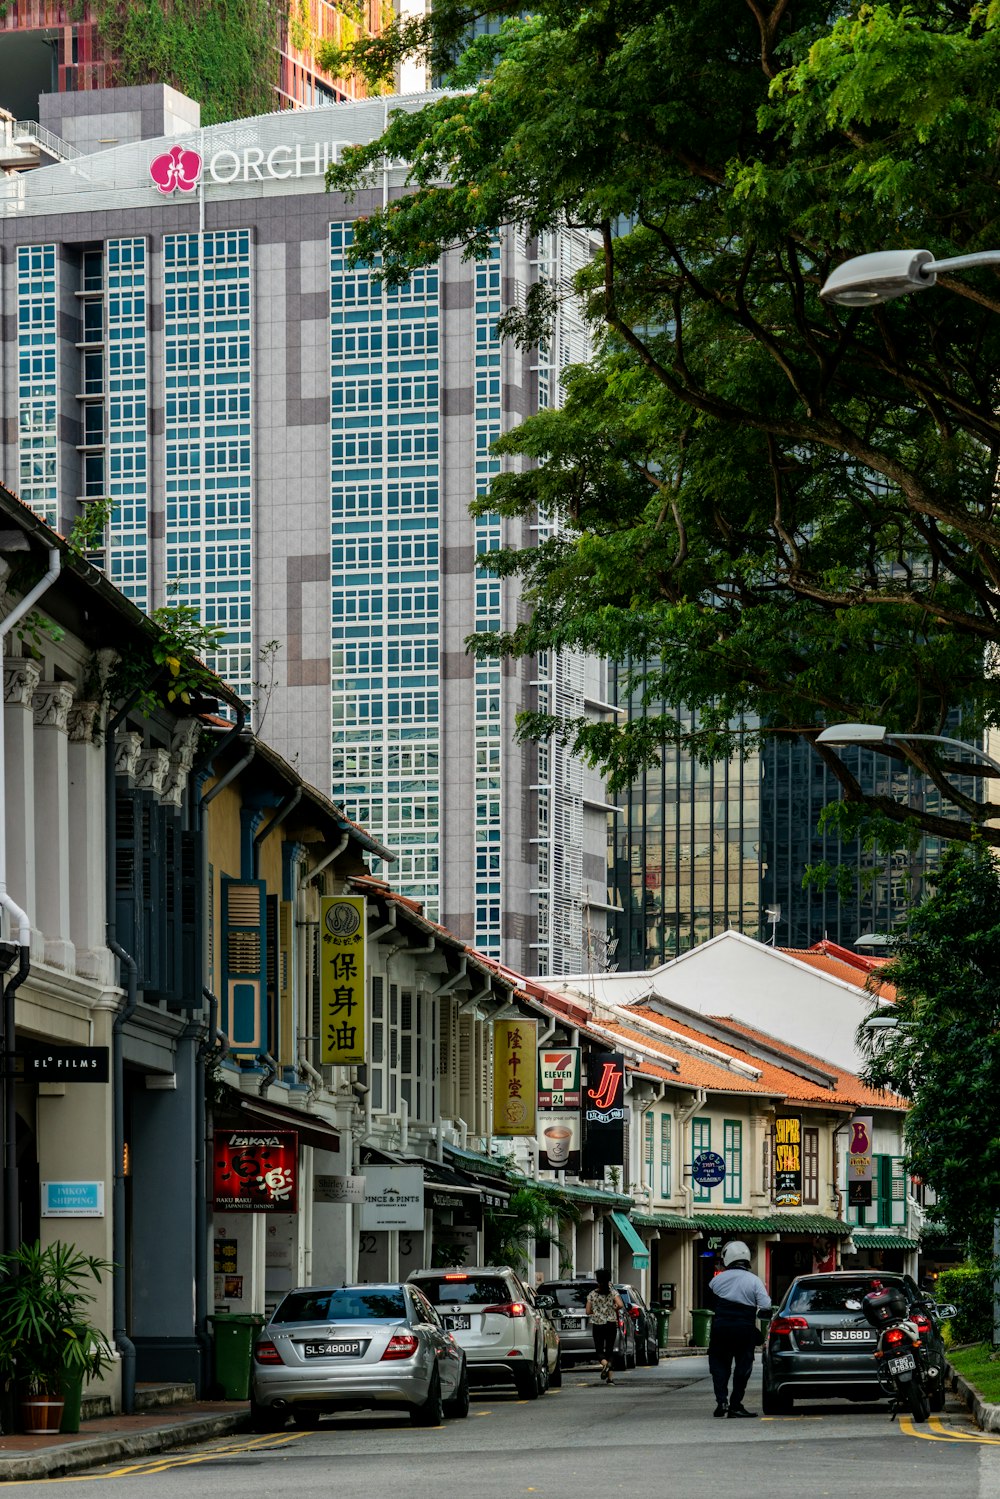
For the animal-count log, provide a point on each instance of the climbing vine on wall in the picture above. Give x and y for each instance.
(221, 52)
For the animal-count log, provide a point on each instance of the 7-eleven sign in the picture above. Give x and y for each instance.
(559, 1078)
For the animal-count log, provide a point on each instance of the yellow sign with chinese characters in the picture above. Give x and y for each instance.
(343, 1008)
(515, 1073)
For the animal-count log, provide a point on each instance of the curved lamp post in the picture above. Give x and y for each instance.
(871, 735)
(887, 274)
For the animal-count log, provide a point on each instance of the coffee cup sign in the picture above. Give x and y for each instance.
(559, 1141)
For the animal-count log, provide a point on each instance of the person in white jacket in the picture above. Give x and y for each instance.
(736, 1295)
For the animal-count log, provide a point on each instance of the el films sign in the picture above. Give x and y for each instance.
(559, 1078)
(788, 1160)
(860, 1162)
(604, 1113)
(515, 1064)
(394, 1198)
(343, 1011)
(255, 1171)
(559, 1138)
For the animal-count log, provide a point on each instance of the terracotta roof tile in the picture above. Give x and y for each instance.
(692, 1072)
(848, 973)
(849, 1086)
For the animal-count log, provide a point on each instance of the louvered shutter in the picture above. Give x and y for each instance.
(128, 861)
(153, 895)
(286, 999)
(243, 964)
(166, 912)
(190, 980)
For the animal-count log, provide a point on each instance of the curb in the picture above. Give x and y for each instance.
(987, 1416)
(93, 1451)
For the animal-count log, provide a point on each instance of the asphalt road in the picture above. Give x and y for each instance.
(651, 1434)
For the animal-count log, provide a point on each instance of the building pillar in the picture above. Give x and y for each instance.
(20, 678)
(87, 839)
(53, 850)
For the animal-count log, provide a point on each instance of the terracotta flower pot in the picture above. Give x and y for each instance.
(42, 1414)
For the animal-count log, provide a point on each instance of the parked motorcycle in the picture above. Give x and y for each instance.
(909, 1365)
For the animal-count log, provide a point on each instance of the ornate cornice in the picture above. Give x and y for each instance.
(20, 678)
(84, 720)
(51, 702)
(127, 746)
(151, 770)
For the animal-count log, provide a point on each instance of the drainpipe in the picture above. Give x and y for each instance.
(327, 859)
(388, 926)
(682, 1118)
(306, 1069)
(474, 999)
(456, 978)
(287, 806)
(270, 1071)
(19, 919)
(404, 1126)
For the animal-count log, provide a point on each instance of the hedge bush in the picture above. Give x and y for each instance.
(970, 1287)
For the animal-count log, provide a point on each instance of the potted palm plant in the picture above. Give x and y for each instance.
(48, 1347)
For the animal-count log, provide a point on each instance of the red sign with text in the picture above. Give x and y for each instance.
(256, 1171)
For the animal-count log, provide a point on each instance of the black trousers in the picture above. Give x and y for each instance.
(604, 1338)
(730, 1350)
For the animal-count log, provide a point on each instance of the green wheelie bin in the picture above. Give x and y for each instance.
(234, 1339)
(701, 1326)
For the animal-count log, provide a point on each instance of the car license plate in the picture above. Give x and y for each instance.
(460, 1323)
(334, 1350)
(900, 1365)
(573, 1322)
(849, 1335)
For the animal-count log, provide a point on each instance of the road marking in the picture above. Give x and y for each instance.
(956, 1438)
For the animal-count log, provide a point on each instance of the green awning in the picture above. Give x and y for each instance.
(475, 1158)
(575, 1191)
(640, 1252)
(742, 1223)
(884, 1241)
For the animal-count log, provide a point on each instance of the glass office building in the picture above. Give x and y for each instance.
(292, 448)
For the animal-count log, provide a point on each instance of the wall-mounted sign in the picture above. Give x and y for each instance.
(256, 1171)
(338, 1189)
(225, 1256)
(559, 1137)
(72, 1199)
(559, 1078)
(604, 1113)
(515, 1052)
(181, 168)
(708, 1169)
(788, 1161)
(394, 1198)
(860, 1162)
(343, 1012)
(37, 1063)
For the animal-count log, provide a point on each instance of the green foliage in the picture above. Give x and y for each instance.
(778, 512)
(981, 1367)
(177, 647)
(45, 1337)
(221, 52)
(970, 1289)
(944, 1052)
(533, 1213)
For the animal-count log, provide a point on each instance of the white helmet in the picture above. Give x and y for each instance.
(734, 1252)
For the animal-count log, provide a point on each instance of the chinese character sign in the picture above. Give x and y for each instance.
(860, 1161)
(515, 1064)
(788, 1160)
(343, 1012)
(255, 1171)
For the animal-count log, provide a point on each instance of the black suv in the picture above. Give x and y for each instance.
(820, 1344)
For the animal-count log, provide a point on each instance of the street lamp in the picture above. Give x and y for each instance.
(887, 274)
(842, 734)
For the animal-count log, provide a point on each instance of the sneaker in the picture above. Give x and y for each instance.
(736, 1412)
(720, 1409)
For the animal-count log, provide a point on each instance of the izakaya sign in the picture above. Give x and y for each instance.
(255, 1171)
(182, 167)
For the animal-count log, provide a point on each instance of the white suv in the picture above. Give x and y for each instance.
(493, 1317)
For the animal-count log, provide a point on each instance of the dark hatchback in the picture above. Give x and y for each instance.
(819, 1345)
(647, 1343)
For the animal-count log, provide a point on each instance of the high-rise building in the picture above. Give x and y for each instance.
(292, 448)
(69, 46)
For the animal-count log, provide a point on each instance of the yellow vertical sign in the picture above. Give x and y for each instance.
(343, 1011)
(515, 1073)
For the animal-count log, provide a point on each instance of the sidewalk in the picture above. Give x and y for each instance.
(110, 1438)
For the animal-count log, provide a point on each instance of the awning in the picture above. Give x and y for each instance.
(312, 1130)
(884, 1241)
(640, 1252)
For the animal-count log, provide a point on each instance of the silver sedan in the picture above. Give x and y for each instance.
(342, 1348)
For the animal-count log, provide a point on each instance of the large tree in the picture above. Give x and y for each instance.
(944, 1049)
(774, 509)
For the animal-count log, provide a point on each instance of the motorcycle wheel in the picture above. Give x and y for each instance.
(917, 1398)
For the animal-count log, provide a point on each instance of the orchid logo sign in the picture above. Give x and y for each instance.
(178, 168)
